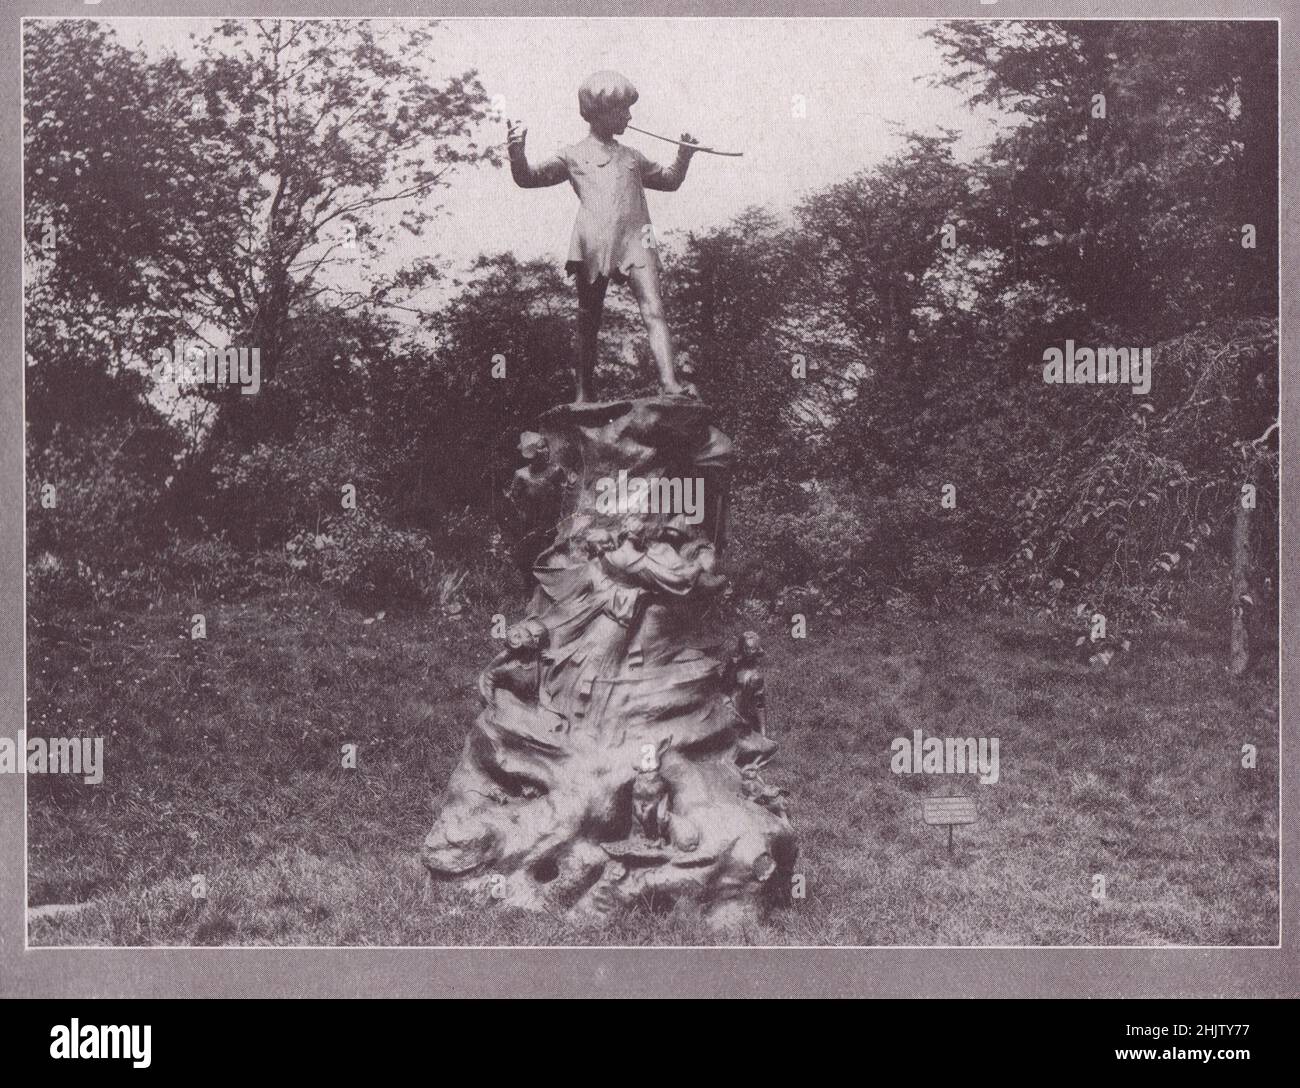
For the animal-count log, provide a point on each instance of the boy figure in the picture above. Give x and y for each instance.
(749, 698)
(536, 492)
(612, 238)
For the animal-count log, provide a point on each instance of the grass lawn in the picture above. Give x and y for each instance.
(222, 759)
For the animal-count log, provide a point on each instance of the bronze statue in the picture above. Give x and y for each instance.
(612, 238)
(749, 697)
(650, 796)
(753, 788)
(535, 494)
(615, 759)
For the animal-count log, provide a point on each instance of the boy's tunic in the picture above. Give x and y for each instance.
(611, 234)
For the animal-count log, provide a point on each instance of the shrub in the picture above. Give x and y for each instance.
(54, 583)
(210, 568)
(278, 488)
(107, 513)
(370, 561)
(817, 538)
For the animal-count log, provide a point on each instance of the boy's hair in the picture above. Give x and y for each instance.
(531, 444)
(603, 91)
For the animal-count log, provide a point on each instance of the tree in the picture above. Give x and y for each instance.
(1124, 225)
(872, 253)
(1131, 205)
(503, 357)
(219, 195)
(734, 304)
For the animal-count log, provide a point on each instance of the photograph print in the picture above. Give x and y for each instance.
(650, 482)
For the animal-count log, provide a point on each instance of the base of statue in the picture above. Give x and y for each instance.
(615, 761)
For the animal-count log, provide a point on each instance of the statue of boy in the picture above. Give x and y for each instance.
(612, 238)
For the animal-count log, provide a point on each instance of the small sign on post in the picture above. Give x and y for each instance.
(948, 811)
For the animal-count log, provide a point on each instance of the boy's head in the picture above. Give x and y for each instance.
(533, 446)
(605, 97)
(749, 647)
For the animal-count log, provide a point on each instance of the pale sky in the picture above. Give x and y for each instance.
(730, 82)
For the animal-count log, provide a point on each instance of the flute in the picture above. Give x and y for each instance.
(683, 143)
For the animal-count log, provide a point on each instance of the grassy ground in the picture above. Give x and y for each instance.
(223, 759)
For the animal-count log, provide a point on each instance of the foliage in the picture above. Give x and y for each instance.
(368, 560)
(280, 487)
(106, 493)
(219, 196)
(870, 350)
(1123, 511)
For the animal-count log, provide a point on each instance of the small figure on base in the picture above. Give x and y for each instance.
(535, 494)
(749, 697)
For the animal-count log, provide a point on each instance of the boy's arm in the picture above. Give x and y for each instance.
(552, 171)
(668, 178)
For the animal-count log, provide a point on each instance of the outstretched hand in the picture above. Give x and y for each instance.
(687, 140)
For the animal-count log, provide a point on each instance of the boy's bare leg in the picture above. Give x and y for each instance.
(591, 305)
(645, 286)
